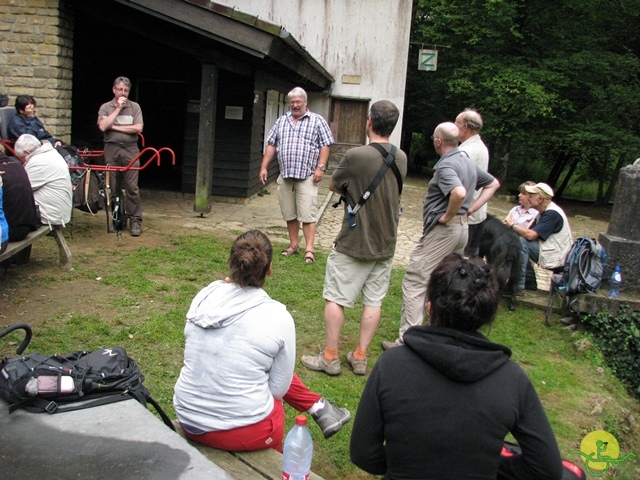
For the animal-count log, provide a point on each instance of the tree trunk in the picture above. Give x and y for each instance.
(600, 190)
(614, 179)
(503, 161)
(556, 171)
(565, 182)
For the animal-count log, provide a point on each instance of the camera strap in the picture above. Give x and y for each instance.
(389, 162)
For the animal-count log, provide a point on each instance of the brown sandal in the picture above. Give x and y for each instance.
(309, 257)
(289, 251)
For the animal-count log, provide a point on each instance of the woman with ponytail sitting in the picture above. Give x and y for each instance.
(238, 362)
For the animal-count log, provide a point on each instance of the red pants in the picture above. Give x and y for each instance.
(267, 433)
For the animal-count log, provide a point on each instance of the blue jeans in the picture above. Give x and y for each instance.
(530, 250)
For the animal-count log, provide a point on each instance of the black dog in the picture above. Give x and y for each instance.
(500, 246)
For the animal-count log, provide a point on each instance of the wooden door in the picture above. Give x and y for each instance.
(348, 120)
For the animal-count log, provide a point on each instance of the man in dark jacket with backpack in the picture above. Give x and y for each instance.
(363, 250)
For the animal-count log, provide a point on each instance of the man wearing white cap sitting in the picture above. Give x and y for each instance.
(548, 241)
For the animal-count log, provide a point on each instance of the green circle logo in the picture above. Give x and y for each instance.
(600, 450)
(600, 445)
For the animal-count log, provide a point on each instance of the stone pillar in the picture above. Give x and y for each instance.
(622, 240)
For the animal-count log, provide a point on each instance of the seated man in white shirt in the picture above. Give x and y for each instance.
(49, 177)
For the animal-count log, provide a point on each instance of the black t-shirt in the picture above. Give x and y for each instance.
(547, 223)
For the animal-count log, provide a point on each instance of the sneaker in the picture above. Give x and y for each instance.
(135, 230)
(359, 366)
(386, 344)
(319, 364)
(330, 418)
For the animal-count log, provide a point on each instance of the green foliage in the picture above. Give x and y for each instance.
(618, 337)
(555, 80)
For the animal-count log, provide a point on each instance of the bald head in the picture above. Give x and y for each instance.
(445, 137)
(448, 133)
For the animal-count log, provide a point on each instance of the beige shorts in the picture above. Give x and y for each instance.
(346, 277)
(298, 199)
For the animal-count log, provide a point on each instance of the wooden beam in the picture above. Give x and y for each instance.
(206, 136)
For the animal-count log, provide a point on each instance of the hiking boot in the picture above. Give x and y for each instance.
(135, 230)
(386, 344)
(330, 418)
(319, 364)
(359, 366)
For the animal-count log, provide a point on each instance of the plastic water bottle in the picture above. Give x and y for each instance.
(297, 452)
(614, 283)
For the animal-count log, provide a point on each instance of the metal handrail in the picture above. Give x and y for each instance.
(155, 155)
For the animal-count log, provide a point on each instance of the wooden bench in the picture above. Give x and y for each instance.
(56, 232)
(256, 465)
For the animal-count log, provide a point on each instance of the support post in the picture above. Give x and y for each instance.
(206, 136)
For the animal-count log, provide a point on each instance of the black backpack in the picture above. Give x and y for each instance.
(88, 185)
(89, 191)
(62, 383)
(583, 267)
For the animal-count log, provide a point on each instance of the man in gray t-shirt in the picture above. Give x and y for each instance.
(448, 202)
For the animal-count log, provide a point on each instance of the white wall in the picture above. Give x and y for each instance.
(366, 38)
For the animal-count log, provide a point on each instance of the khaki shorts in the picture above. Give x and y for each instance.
(346, 277)
(298, 199)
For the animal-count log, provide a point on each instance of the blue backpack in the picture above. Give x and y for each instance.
(584, 267)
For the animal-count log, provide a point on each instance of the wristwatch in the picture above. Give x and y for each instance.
(322, 167)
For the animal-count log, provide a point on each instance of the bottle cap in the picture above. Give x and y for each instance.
(301, 420)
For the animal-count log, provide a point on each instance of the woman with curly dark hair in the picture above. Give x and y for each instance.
(441, 405)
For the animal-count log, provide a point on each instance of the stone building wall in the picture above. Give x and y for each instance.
(36, 58)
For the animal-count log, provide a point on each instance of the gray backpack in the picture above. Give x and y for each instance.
(583, 267)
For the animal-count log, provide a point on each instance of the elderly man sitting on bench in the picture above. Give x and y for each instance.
(49, 177)
(548, 241)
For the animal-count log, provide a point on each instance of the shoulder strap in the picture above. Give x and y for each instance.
(51, 406)
(389, 162)
(38, 405)
(392, 163)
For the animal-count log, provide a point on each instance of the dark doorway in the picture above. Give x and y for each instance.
(163, 79)
(164, 111)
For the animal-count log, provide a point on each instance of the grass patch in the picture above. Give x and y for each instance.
(143, 295)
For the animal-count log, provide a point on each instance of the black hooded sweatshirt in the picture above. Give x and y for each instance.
(440, 406)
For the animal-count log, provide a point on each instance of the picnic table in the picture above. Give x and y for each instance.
(121, 440)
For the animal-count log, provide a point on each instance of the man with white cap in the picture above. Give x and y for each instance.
(548, 241)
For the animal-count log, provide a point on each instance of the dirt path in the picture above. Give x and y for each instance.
(41, 290)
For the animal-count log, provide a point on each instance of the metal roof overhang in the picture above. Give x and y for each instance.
(270, 45)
